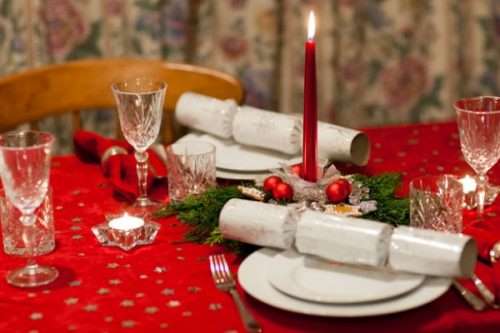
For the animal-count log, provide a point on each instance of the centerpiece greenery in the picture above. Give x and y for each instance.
(201, 212)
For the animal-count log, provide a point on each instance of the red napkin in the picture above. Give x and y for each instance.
(120, 167)
(486, 236)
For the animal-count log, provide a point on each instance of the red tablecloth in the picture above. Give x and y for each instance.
(168, 287)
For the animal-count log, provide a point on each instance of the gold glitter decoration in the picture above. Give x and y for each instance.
(77, 236)
(180, 258)
(139, 295)
(159, 281)
(112, 265)
(143, 276)
(252, 193)
(59, 207)
(187, 314)
(108, 319)
(36, 316)
(75, 228)
(76, 219)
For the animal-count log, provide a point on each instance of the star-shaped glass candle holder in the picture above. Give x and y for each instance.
(126, 232)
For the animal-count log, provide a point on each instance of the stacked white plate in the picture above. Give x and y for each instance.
(235, 161)
(303, 284)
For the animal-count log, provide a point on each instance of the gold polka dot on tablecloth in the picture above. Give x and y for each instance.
(151, 310)
(173, 303)
(36, 316)
(127, 303)
(167, 292)
(90, 308)
(71, 300)
(128, 324)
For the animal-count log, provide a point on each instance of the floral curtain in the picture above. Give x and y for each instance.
(379, 61)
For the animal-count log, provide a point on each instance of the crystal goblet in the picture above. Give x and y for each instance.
(24, 170)
(478, 121)
(140, 107)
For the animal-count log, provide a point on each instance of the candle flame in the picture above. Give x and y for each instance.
(469, 184)
(311, 25)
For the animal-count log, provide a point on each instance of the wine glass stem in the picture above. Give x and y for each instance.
(481, 193)
(142, 174)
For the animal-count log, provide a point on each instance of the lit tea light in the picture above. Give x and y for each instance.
(126, 223)
(468, 183)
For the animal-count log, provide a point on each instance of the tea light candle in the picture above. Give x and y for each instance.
(469, 184)
(126, 223)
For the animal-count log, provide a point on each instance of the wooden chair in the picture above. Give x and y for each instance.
(70, 87)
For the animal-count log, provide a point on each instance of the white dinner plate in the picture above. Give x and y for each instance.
(317, 280)
(232, 156)
(252, 276)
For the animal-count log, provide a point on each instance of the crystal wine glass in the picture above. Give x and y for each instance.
(140, 108)
(478, 121)
(24, 170)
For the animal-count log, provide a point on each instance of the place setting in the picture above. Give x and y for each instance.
(305, 216)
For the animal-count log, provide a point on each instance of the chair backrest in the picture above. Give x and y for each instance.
(79, 85)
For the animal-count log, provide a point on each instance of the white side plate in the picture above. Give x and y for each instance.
(317, 280)
(252, 276)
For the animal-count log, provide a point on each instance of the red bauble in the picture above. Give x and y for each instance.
(297, 169)
(283, 191)
(338, 191)
(271, 182)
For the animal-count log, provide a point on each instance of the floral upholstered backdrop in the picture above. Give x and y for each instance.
(379, 61)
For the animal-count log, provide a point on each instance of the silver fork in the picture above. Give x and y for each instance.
(486, 293)
(224, 281)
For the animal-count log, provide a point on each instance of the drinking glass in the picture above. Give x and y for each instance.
(436, 203)
(140, 108)
(24, 170)
(478, 121)
(191, 168)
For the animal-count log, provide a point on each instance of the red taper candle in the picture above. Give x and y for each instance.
(310, 124)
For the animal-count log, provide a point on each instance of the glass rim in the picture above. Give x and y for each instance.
(413, 182)
(461, 109)
(50, 138)
(211, 147)
(116, 89)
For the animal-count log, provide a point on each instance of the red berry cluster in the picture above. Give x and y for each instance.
(279, 189)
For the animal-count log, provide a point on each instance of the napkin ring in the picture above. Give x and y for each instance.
(112, 151)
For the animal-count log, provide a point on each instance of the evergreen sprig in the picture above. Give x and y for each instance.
(390, 209)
